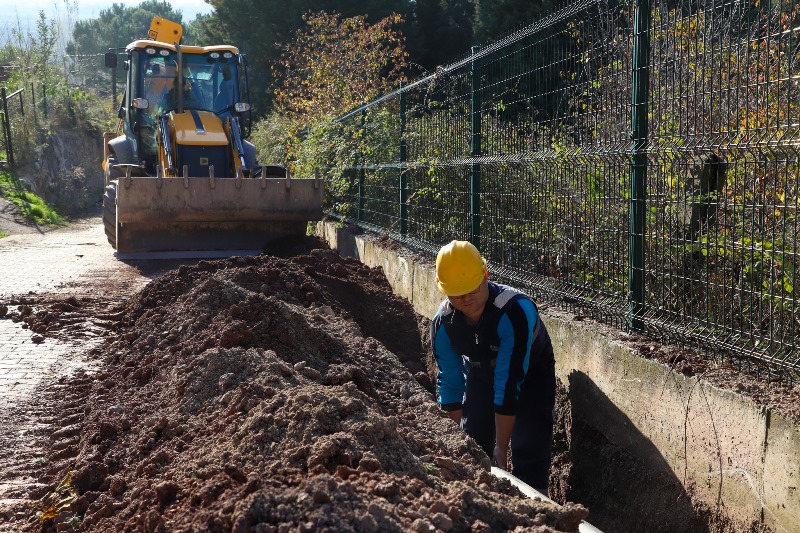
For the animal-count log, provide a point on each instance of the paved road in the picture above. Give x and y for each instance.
(76, 261)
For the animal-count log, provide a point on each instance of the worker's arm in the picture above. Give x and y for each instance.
(516, 331)
(504, 425)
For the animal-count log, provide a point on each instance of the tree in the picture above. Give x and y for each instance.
(495, 19)
(260, 29)
(439, 31)
(37, 67)
(331, 66)
(116, 27)
(337, 64)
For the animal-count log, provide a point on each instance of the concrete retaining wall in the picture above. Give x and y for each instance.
(724, 449)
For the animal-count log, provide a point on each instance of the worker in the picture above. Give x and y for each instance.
(225, 99)
(495, 361)
(160, 84)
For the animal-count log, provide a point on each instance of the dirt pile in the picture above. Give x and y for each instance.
(268, 394)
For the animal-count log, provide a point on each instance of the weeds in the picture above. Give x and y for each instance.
(32, 207)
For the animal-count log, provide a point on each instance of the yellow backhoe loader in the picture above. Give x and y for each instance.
(180, 175)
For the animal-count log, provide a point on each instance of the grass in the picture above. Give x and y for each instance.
(32, 207)
(3, 234)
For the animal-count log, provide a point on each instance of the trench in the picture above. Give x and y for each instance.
(591, 470)
(637, 444)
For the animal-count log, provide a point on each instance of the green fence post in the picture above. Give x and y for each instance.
(403, 156)
(360, 167)
(475, 151)
(7, 128)
(33, 104)
(640, 81)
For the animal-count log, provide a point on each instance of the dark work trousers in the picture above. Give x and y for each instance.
(533, 430)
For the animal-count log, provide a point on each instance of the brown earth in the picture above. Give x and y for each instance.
(270, 393)
(295, 370)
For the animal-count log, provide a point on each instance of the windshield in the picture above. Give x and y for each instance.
(210, 81)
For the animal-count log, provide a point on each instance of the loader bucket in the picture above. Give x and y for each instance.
(183, 214)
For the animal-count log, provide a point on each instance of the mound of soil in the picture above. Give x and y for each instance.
(271, 394)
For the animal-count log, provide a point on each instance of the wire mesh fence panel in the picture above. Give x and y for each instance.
(554, 126)
(438, 141)
(380, 199)
(534, 148)
(379, 167)
(723, 176)
(336, 163)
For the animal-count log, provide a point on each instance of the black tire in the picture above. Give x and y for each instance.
(110, 213)
(111, 174)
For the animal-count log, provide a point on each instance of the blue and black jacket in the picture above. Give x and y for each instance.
(509, 347)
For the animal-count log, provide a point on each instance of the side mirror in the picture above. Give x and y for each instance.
(111, 59)
(140, 103)
(241, 107)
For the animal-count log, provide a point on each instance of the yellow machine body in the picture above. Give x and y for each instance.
(181, 178)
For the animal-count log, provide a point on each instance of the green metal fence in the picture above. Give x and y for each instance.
(637, 161)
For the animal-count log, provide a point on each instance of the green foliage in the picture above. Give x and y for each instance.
(42, 73)
(495, 19)
(274, 138)
(335, 64)
(329, 68)
(48, 109)
(32, 207)
(262, 28)
(34, 60)
(118, 25)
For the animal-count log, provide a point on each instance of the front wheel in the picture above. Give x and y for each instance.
(111, 174)
(110, 213)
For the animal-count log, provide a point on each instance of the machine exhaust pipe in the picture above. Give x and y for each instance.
(179, 81)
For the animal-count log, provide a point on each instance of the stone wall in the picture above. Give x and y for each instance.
(66, 172)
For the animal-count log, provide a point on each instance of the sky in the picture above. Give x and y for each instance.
(27, 11)
(23, 14)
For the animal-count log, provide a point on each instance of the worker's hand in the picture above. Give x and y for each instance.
(455, 416)
(504, 426)
(500, 457)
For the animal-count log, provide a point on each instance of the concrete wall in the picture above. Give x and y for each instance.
(723, 448)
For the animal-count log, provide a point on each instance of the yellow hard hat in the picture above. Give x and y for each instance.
(459, 268)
